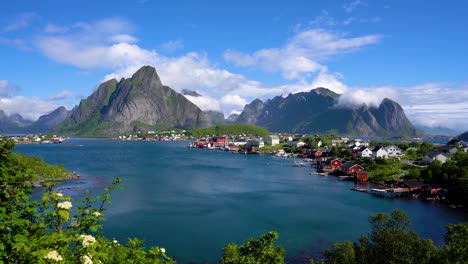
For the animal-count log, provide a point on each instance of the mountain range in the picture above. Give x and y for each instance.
(142, 102)
(319, 111)
(15, 123)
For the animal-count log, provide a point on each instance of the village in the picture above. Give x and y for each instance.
(327, 160)
(35, 139)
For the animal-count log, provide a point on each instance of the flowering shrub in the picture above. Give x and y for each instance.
(46, 231)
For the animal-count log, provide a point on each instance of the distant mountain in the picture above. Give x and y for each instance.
(214, 118)
(14, 123)
(232, 118)
(437, 131)
(49, 121)
(140, 102)
(190, 92)
(17, 124)
(318, 111)
(463, 136)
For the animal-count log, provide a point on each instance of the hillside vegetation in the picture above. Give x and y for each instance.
(231, 129)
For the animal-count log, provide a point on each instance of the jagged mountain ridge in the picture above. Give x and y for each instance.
(133, 104)
(318, 111)
(47, 122)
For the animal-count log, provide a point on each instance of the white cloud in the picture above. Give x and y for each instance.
(52, 28)
(21, 21)
(18, 43)
(205, 103)
(323, 20)
(60, 96)
(431, 104)
(349, 7)
(367, 96)
(6, 89)
(173, 45)
(302, 54)
(119, 38)
(103, 44)
(29, 107)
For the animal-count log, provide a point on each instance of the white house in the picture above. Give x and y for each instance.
(272, 140)
(261, 143)
(365, 152)
(297, 144)
(379, 152)
(435, 155)
(393, 151)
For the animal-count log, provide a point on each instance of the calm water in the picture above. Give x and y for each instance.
(193, 201)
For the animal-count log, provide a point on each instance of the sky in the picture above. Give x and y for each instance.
(56, 53)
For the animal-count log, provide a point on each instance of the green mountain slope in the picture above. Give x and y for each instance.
(137, 102)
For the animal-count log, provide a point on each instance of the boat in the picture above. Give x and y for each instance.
(298, 164)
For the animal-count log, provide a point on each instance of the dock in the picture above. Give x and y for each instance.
(390, 192)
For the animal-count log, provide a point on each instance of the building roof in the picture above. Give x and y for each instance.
(377, 148)
(434, 153)
(347, 165)
(413, 183)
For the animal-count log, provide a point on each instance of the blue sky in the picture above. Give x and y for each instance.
(57, 52)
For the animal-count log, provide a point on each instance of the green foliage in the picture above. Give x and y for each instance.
(390, 242)
(46, 231)
(231, 129)
(453, 175)
(260, 251)
(385, 169)
(456, 249)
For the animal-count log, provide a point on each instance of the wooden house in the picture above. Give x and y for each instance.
(350, 168)
(412, 185)
(361, 175)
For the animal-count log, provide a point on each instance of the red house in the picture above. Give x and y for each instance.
(351, 168)
(361, 175)
(330, 165)
(315, 153)
(219, 141)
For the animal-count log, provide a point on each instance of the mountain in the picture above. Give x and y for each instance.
(14, 123)
(214, 118)
(232, 118)
(318, 111)
(137, 103)
(463, 136)
(190, 92)
(47, 122)
(438, 131)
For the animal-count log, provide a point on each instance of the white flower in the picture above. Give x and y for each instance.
(163, 250)
(59, 194)
(86, 259)
(64, 205)
(53, 255)
(115, 241)
(88, 240)
(97, 213)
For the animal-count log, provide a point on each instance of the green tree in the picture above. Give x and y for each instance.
(259, 251)
(456, 249)
(390, 242)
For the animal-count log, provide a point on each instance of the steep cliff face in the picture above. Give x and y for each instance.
(140, 101)
(251, 112)
(317, 111)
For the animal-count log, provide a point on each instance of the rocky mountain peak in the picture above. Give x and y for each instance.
(148, 76)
